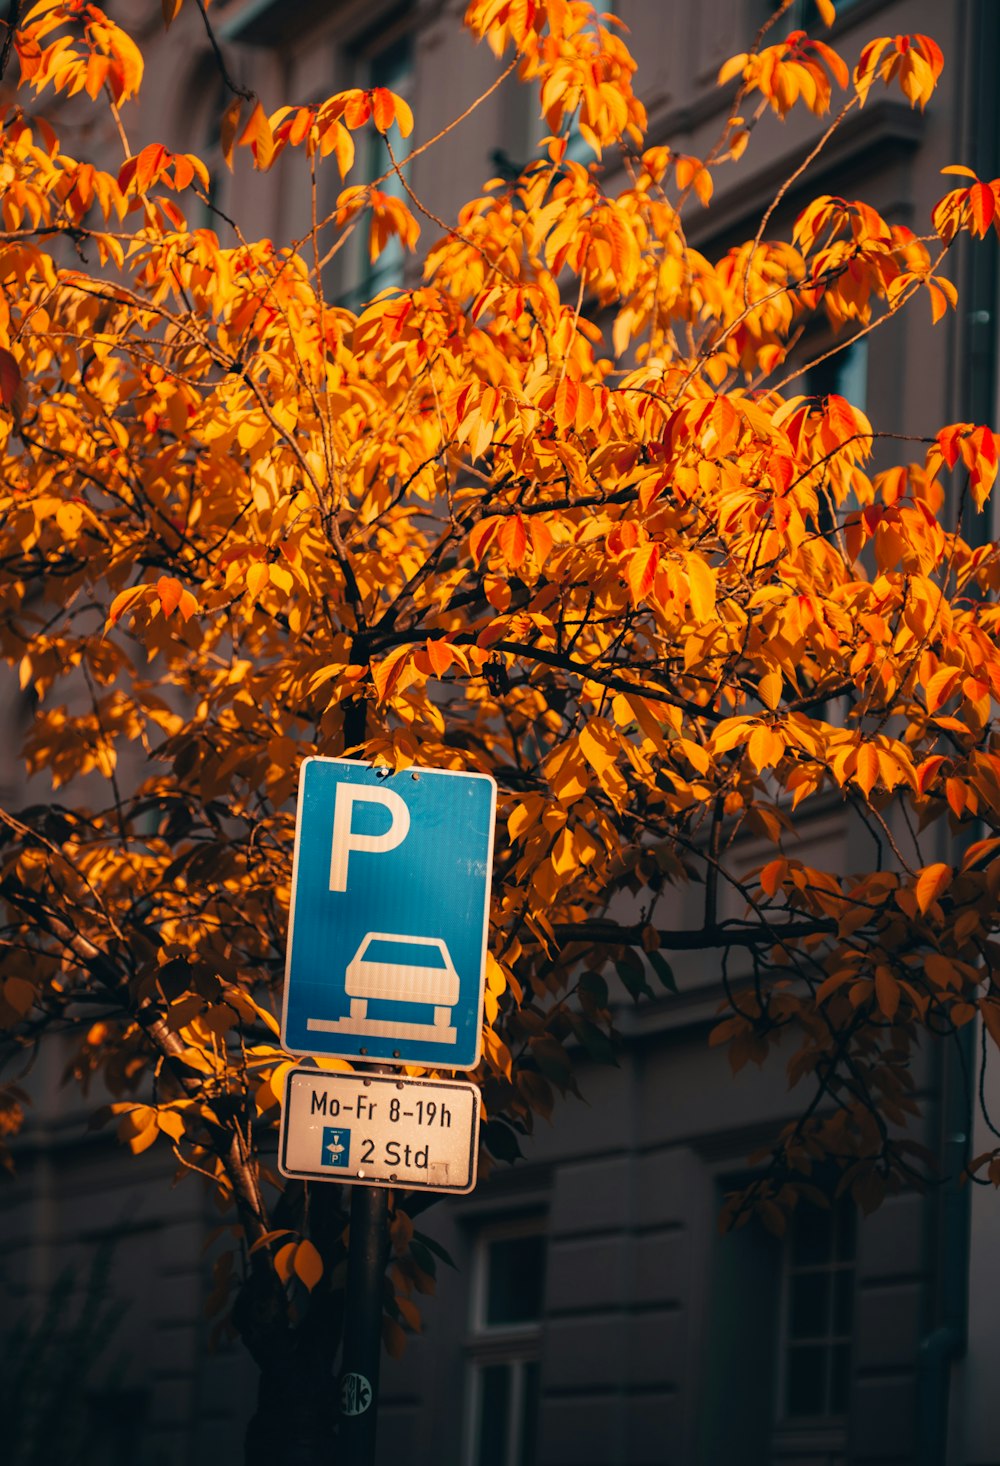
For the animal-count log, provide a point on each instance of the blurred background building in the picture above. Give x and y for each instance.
(596, 1317)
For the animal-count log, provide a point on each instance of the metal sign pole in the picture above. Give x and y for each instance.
(363, 1325)
(386, 965)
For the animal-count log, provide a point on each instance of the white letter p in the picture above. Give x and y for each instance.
(344, 841)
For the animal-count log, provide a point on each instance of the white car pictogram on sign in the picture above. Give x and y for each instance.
(392, 967)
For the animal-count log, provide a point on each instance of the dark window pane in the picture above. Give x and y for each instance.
(529, 1418)
(807, 1380)
(802, 15)
(811, 20)
(810, 1305)
(813, 1237)
(847, 1232)
(392, 67)
(843, 1300)
(494, 1410)
(516, 1280)
(840, 1382)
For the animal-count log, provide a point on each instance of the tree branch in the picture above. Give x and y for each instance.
(12, 22)
(244, 92)
(608, 933)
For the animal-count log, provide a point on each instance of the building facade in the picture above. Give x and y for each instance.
(595, 1316)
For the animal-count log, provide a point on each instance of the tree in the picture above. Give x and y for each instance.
(558, 512)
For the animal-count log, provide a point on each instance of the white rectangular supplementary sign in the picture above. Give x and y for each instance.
(380, 1130)
(389, 915)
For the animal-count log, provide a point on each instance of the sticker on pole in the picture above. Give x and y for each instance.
(356, 1394)
(389, 916)
(380, 1130)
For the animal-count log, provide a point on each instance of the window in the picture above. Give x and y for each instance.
(845, 373)
(818, 1313)
(801, 15)
(777, 1376)
(504, 1371)
(740, 1381)
(382, 64)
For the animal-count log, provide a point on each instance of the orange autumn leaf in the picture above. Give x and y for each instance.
(10, 376)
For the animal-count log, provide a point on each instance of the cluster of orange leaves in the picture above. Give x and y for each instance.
(619, 560)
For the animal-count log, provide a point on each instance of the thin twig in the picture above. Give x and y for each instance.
(244, 92)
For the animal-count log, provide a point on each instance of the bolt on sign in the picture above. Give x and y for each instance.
(389, 919)
(380, 1130)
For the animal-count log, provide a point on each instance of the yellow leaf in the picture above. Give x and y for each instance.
(496, 978)
(228, 129)
(126, 77)
(541, 539)
(563, 856)
(171, 1123)
(933, 879)
(440, 654)
(940, 687)
(599, 744)
(284, 1260)
(257, 134)
(730, 732)
(522, 817)
(270, 1237)
(281, 577)
(772, 876)
(701, 580)
(169, 591)
(69, 517)
(732, 67)
(144, 1139)
(513, 540)
(647, 721)
(696, 756)
(124, 601)
(307, 1263)
(257, 577)
(404, 115)
(979, 851)
(766, 748)
(769, 688)
(641, 569)
(392, 674)
(867, 771)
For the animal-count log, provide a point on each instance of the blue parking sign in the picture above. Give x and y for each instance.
(390, 914)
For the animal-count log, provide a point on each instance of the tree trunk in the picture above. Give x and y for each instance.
(295, 1421)
(296, 1345)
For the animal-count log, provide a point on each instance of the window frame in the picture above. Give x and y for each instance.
(517, 1346)
(832, 1423)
